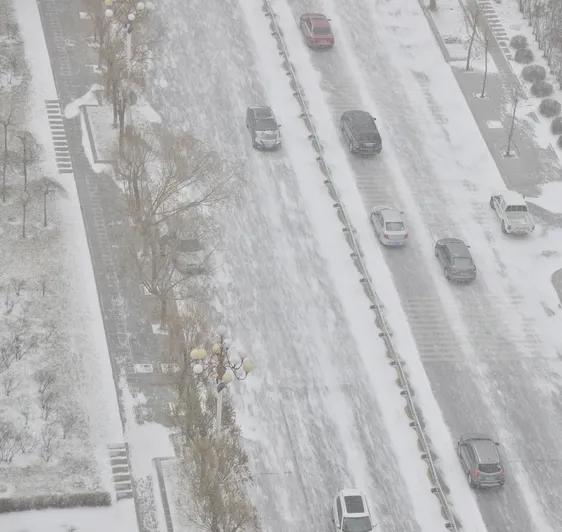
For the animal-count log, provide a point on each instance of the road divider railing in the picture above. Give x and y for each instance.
(365, 280)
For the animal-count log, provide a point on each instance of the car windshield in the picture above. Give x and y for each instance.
(394, 226)
(516, 208)
(266, 124)
(322, 30)
(462, 263)
(489, 468)
(357, 524)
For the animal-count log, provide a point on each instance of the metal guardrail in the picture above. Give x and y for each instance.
(366, 280)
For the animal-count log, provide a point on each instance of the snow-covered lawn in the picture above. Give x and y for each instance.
(58, 305)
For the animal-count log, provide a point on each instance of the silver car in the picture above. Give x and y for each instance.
(481, 461)
(389, 225)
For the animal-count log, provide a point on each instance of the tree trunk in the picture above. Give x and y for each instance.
(5, 163)
(45, 192)
(163, 312)
(486, 42)
(471, 42)
(24, 209)
(24, 164)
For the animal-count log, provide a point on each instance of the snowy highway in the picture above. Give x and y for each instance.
(323, 411)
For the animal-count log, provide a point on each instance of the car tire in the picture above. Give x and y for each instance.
(351, 150)
(447, 274)
(503, 228)
(492, 204)
(469, 479)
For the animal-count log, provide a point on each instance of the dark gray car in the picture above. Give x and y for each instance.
(481, 460)
(263, 128)
(360, 132)
(455, 259)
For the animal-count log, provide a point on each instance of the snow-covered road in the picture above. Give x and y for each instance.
(322, 410)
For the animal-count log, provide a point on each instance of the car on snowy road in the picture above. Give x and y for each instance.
(351, 512)
(316, 30)
(389, 225)
(359, 130)
(455, 258)
(480, 460)
(513, 213)
(263, 128)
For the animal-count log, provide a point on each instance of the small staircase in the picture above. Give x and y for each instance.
(119, 458)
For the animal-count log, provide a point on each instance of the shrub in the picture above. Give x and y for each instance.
(55, 500)
(518, 42)
(533, 73)
(549, 107)
(541, 88)
(524, 55)
(556, 126)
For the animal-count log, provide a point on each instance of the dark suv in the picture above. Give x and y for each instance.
(360, 131)
(263, 128)
(455, 259)
(481, 461)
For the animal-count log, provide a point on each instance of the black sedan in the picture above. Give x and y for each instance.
(455, 259)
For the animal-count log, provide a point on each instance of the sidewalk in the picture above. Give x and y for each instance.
(530, 164)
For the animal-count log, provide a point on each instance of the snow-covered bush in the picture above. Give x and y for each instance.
(556, 126)
(54, 500)
(518, 42)
(541, 89)
(533, 73)
(524, 55)
(549, 107)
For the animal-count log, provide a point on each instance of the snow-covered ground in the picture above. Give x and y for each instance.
(61, 256)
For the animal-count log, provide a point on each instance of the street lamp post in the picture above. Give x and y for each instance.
(220, 365)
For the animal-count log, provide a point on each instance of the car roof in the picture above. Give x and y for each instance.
(484, 446)
(390, 214)
(513, 198)
(359, 116)
(456, 246)
(317, 17)
(261, 111)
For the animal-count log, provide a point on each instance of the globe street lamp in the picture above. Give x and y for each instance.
(221, 365)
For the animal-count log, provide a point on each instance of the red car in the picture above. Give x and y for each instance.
(316, 30)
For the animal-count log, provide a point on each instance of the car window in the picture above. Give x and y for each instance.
(516, 208)
(338, 507)
(471, 455)
(462, 262)
(357, 524)
(489, 468)
(394, 226)
(266, 124)
(322, 30)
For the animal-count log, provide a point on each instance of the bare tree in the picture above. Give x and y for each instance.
(30, 151)
(472, 36)
(9, 382)
(19, 342)
(44, 187)
(512, 126)
(17, 285)
(9, 441)
(69, 418)
(486, 44)
(25, 197)
(45, 379)
(219, 475)
(49, 435)
(47, 403)
(7, 119)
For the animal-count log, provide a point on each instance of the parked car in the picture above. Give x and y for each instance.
(513, 213)
(351, 512)
(263, 128)
(317, 30)
(481, 460)
(454, 256)
(360, 132)
(389, 225)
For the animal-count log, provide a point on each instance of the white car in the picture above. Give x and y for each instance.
(389, 225)
(351, 513)
(513, 213)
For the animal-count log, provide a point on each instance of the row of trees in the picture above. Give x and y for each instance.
(545, 17)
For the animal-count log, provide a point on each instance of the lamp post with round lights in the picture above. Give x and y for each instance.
(126, 13)
(222, 366)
